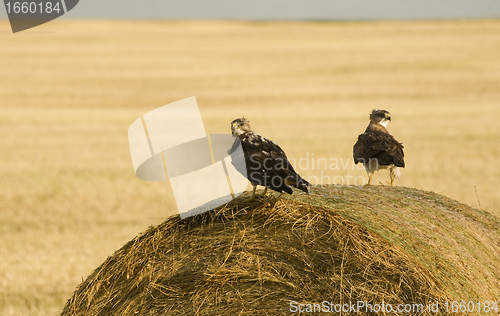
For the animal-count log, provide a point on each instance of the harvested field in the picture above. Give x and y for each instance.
(70, 89)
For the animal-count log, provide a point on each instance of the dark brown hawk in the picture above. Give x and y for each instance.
(377, 149)
(266, 163)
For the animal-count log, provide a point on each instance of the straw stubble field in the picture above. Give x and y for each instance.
(70, 89)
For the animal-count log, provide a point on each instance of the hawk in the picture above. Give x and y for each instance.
(266, 163)
(377, 149)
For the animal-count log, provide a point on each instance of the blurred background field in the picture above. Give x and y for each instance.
(69, 90)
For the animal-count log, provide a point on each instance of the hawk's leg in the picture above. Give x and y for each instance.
(370, 175)
(253, 193)
(265, 192)
(392, 177)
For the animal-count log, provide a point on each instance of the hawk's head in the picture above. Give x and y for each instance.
(381, 117)
(240, 126)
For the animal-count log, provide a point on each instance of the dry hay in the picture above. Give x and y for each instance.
(458, 244)
(254, 259)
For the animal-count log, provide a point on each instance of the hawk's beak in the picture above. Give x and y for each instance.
(389, 117)
(233, 129)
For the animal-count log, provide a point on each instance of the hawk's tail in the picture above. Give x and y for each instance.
(396, 172)
(298, 183)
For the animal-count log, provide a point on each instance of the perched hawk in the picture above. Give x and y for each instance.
(265, 162)
(377, 149)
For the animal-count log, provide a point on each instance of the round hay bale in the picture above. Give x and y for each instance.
(274, 256)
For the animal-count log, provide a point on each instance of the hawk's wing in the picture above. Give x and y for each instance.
(268, 165)
(381, 146)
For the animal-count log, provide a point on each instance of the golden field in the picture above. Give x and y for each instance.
(70, 89)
